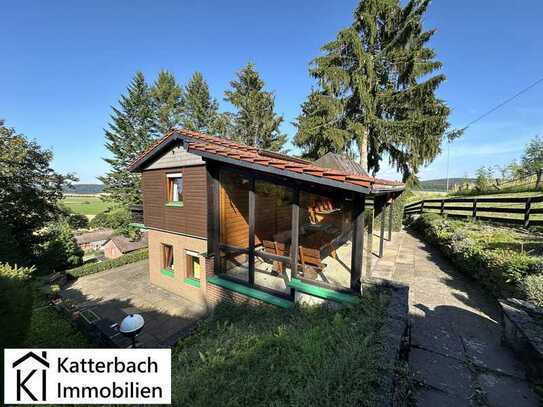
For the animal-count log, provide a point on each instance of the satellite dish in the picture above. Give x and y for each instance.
(132, 325)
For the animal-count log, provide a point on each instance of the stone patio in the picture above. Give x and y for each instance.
(113, 294)
(456, 356)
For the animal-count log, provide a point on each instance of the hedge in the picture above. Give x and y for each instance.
(501, 271)
(92, 268)
(397, 214)
(16, 300)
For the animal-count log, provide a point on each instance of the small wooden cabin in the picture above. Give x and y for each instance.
(232, 222)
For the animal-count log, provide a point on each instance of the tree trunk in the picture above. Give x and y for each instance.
(363, 150)
(538, 180)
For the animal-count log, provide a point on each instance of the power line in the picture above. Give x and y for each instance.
(487, 113)
(500, 105)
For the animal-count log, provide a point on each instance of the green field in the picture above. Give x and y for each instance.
(89, 205)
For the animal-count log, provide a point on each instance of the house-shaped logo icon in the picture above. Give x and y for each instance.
(24, 364)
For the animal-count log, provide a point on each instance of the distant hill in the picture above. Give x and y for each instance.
(85, 189)
(441, 184)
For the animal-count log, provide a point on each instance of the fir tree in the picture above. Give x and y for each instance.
(200, 109)
(376, 91)
(167, 101)
(131, 131)
(255, 122)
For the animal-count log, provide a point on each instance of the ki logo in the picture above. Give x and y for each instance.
(32, 379)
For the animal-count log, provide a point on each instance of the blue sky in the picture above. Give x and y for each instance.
(64, 64)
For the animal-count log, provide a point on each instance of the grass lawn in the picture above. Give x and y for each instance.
(86, 205)
(251, 356)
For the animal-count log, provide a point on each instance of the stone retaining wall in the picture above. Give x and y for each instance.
(395, 334)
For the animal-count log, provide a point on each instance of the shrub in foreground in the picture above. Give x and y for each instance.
(533, 287)
(92, 268)
(16, 299)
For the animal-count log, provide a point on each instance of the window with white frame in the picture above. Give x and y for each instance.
(175, 188)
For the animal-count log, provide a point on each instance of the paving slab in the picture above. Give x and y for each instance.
(436, 398)
(440, 372)
(456, 355)
(113, 294)
(501, 391)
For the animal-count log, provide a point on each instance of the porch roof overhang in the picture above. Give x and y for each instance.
(240, 155)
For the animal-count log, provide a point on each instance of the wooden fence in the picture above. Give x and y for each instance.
(527, 211)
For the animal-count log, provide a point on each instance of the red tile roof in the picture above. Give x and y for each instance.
(220, 147)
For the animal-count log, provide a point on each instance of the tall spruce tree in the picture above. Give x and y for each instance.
(168, 101)
(376, 91)
(131, 131)
(201, 110)
(255, 122)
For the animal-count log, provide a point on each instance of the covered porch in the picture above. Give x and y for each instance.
(261, 225)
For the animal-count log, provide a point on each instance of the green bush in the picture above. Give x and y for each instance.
(60, 250)
(533, 287)
(16, 299)
(112, 218)
(92, 268)
(78, 221)
(501, 271)
(397, 214)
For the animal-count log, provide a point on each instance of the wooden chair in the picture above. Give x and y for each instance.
(279, 249)
(310, 259)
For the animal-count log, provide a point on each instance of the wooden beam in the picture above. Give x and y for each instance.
(213, 210)
(527, 209)
(369, 242)
(390, 219)
(252, 231)
(358, 242)
(382, 208)
(295, 228)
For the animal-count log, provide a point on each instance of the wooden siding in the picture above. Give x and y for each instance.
(191, 219)
(174, 158)
(234, 211)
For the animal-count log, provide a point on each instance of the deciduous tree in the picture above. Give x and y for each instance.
(30, 191)
(532, 160)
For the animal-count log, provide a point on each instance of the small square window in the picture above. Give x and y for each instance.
(193, 266)
(167, 257)
(175, 188)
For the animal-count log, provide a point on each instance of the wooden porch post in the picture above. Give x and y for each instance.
(369, 243)
(213, 211)
(390, 217)
(252, 231)
(295, 226)
(358, 242)
(382, 207)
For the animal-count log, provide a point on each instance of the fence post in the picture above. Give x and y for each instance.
(527, 208)
(422, 206)
(474, 210)
(442, 207)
